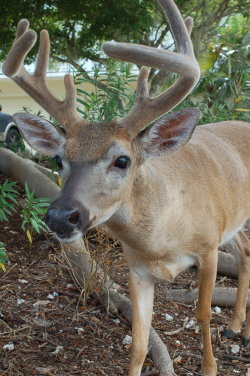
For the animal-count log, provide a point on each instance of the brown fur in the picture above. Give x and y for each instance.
(81, 144)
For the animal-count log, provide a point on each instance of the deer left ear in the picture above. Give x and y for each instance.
(40, 133)
(170, 132)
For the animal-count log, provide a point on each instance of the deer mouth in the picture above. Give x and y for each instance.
(69, 238)
(68, 221)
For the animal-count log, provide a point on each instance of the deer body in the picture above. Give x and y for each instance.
(169, 192)
(177, 205)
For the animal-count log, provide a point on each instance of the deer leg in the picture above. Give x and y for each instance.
(240, 247)
(246, 331)
(207, 276)
(141, 290)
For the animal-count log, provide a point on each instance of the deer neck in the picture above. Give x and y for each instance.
(128, 222)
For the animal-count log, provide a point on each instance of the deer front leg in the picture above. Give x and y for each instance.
(240, 247)
(141, 290)
(246, 332)
(208, 269)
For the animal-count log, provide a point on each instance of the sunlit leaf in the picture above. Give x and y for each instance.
(2, 266)
(29, 236)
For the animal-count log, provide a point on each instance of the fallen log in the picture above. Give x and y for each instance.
(226, 264)
(222, 296)
(24, 170)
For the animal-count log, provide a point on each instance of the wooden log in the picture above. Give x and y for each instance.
(222, 296)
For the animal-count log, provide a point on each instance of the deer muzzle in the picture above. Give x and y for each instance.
(67, 219)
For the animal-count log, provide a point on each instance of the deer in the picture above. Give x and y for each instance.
(171, 192)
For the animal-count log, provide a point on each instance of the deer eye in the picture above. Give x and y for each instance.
(122, 162)
(58, 162)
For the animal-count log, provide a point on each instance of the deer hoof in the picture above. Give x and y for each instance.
(245, 341)
(228, 333)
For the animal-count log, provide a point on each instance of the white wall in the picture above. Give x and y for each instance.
(13, 98)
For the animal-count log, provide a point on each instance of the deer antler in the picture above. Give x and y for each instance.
(35, 85)
(183, 62)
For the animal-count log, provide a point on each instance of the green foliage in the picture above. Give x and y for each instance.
(3, 256)
(226, 86)
(113, 92)
(8, 201)
(78, 26)
(33, 212)
(223, 92)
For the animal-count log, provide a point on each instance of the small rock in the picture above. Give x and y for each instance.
(235, 349)
(22, 281)
(168, 317)
(20, 301)
(190, 324)
(217, 309)
(53, 295)
(79, 330)
(127, 340)
(9, 347)
(57, 350)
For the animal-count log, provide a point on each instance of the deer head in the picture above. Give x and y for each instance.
(99, 162)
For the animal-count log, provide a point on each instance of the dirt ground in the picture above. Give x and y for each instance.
(46, 327)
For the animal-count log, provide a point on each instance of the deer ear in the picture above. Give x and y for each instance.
(40, 134)
(169, 133)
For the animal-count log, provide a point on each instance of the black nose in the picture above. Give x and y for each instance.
(65, 219)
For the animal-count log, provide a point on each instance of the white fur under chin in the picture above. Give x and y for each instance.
(76, 236)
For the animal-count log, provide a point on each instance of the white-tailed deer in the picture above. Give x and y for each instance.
(171, 199)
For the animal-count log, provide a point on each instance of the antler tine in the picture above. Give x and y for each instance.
(182, 62)
(24, 41)
(35, 85)
(43, 55)
(189, 22)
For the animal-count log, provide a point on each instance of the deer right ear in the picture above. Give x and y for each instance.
(39, 133)
(169, 133)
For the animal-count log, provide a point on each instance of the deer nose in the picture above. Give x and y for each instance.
(62, 220)
(65, 221)
(74, 217)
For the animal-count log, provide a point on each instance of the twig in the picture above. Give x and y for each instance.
(234, 357)
(9, 270)
(189, 355)
(174, 332)
(178, 330)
